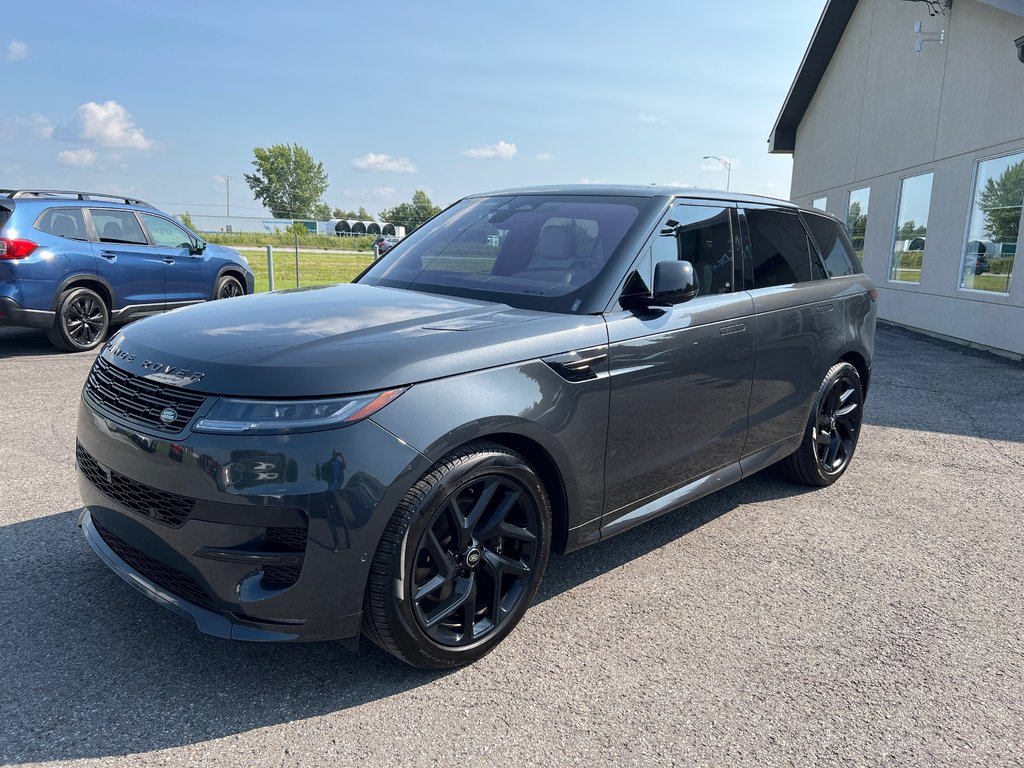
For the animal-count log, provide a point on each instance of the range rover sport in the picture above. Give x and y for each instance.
(532, 370)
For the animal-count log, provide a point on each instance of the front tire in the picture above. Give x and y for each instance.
(228, 287)
(81, 321)
(461, 559)
(832, 430)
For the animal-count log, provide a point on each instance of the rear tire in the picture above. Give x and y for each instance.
(82, 320)
(461, 559)
(832, 430)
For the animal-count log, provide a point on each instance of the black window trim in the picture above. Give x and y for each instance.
(748, 250)
(851, 253)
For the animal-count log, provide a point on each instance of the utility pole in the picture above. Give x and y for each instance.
(227, 189)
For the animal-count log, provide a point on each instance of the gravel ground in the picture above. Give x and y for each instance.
(876, 622)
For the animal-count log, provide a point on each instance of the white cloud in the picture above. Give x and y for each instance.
(377, 193)
(643, 117)
(77, 157)
(38, 124)
(714, 165)
(545, 156)
(108, 124)
(502, 149)
(17, 50)
(380, 162)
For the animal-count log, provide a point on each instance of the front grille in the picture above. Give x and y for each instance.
(161, 574)
(277, 576)
(162, 506)
(139, 400)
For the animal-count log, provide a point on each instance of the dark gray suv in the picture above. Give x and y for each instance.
(531, 370)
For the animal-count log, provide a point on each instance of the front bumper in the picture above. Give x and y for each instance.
(12, 313)
(253, 538)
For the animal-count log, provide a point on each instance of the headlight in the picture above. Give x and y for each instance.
(238, 416)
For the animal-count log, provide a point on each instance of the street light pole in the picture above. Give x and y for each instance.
(728, 169)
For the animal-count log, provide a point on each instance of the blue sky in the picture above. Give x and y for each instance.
(164, 100)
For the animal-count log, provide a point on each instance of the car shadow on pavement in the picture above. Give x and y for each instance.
(568, 571)
(91, 668)
(28, 342)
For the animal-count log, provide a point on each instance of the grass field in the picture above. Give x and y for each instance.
(314, 268)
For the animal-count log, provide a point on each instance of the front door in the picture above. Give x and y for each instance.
(680, 376)
(185, 278)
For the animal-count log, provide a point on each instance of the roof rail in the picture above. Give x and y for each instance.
(15, 194)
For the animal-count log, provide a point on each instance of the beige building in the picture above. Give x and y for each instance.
(910, 126)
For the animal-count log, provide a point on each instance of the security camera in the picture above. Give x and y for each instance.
(1019, 42)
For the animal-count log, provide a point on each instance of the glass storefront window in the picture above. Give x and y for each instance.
(995, 225)
(857, 219)
(911, 229)
(820, 203)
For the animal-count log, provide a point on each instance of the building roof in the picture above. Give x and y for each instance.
(816, 59)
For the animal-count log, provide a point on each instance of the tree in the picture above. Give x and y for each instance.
(321, 211)
(362, 214)
(186, 219)
(856, 225)
(411, 215)
(287, 180)
(1000, 202)
(910, 230)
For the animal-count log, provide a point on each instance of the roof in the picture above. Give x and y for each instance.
(817, 57)
(628, 190)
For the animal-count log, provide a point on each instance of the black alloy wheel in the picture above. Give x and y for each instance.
(832, 430)
(460, 560)
(82, 320)
(228, 287)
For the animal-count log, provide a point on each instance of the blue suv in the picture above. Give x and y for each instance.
(75, 263)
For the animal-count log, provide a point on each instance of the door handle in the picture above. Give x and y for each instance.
(109, 255)
(737, 328)
(168, 260)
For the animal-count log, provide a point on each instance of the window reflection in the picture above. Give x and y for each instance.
(857, 219)
(911, 229)
(991, 246)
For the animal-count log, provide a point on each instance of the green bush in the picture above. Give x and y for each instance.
(287, 240)
(908, 259)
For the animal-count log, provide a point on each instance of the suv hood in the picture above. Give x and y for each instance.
(339, 339)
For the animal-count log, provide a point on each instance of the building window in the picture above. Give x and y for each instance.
(911, 229)
(857, 219)
(995, 225)
(820, 203)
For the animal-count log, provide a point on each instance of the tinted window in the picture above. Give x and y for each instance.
(166, 233)
(833, 247)
(537, 251)
(64, 222)
(117, 226)
(781, 251)
(701, 235)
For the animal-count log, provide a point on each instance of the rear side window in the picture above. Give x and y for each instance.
(782, 252)
(63, 222)
(833, 247)
(117, 226)
(4, 216)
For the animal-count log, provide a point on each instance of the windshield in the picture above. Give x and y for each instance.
(529, 251)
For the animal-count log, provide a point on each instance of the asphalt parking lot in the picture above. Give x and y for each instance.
(876, 622)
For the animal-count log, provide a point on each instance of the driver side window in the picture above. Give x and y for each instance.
(701, 235)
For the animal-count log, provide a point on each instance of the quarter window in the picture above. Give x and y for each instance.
(63, 222)
(117, 226)
(165, 233)
(857, 218)
(833, 246)
(991, 246)
(911, 229)
(701, 235)
(781, 250)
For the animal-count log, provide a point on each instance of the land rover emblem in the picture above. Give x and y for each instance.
(167, 415)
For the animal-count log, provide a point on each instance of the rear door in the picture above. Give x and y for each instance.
(131, 266)
(680, 376)
(186, 277)
(799, 319)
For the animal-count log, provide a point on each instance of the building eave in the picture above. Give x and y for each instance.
(817, 57)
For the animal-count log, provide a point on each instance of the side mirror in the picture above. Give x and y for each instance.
(198, 247)
(674, 283)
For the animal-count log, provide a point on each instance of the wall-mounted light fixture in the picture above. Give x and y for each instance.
(1019, 42)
